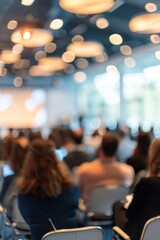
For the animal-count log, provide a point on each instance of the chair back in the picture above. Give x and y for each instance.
(11, 230)
(151, 229)
(17, 218)
(103, 197)
(84, 233)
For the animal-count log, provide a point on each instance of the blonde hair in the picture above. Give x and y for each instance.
(154, 158)
(42, 173)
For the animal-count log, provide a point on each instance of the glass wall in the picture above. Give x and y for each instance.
(142, 98)
(100, 100)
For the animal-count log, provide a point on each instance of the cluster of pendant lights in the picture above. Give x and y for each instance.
(78, 48)
(145, 23)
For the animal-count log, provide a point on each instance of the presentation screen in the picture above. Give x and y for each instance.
(22, 108)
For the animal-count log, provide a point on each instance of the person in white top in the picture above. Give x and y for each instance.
(104, 170)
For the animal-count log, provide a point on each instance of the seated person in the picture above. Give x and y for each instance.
(77, 153)
(105, 170)
(46, 191)
(126, 145)
(10, 171)
(146, 195)
(6, 145)
(140, 154)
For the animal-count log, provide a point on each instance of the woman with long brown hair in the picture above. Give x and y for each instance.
(46, 191)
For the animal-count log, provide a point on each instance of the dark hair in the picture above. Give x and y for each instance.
(77, 136)
(143, 144)
(6, 147)
(18, 154)
(109, 144)
(34, 135)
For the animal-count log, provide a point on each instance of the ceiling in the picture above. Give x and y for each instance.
(42, 12)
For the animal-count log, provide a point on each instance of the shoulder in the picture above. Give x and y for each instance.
(150, 181)
(28, 198)
(148, 184)
(23, 197)
(87, 165)
(73, 190)
(69, 195)
(126, 167)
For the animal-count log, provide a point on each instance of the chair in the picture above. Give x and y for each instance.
(119, 234)
(16, 228)
(100, 207)
(17, 218)
(151, 230)
(84, 233)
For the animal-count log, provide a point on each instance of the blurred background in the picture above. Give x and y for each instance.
(94, 63)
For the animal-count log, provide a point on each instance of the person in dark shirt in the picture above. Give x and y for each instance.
(146, 196)
(46, 191)
(139, 158)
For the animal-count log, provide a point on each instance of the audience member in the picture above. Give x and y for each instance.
(146, 195)
(78, 152)
(56, 135)
(10, 172)
(126, 145)
(103, 170)
(46, 191)
(34, 135)
(6, 146)
(140, 155)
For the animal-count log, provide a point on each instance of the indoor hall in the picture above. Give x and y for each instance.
(72, 71)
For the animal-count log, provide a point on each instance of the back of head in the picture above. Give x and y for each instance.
(154, 158)
(41, 172)
(18, 154)
(56, 136)
(77, 136)
(34, 135)
(109, 144)
(6, 147)
(143, 142)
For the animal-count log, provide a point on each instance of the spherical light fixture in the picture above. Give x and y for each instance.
(145, 23)
(8, 57)
(86, 6)
(35, 37)
(86, 49)
(53, 64)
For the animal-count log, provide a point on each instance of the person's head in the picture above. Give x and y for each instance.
(42, 174)
(56, 136)
(7, 144)
(34, 135)
(77, 136)
(109, 144)
(154, 158)
(143, 143)
(123, 131)
(18, 154)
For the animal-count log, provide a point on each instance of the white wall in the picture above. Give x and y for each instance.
(61, 105)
